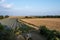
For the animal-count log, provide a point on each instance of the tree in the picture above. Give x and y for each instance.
(1, 17)
(6, 16)
(43, 30)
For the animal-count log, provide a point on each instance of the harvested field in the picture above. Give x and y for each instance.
(51, 23)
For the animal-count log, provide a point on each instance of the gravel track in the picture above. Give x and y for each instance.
(10, 22)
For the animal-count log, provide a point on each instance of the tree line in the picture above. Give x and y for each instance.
(49, 16)
(1, 16)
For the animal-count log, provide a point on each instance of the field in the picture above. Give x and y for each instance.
(51, 23)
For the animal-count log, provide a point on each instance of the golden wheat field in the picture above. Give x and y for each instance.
(51, 23)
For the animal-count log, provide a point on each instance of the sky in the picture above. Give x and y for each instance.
(29, 7)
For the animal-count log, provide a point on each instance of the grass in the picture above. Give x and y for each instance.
(25, 28)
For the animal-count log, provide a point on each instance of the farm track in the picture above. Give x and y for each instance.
(10, 22)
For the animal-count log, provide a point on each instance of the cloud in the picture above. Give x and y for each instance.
(5, 8)
(7, 5)
(1, 1)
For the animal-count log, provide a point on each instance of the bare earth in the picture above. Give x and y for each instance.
(51, 23)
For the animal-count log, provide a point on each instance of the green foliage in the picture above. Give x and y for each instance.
(9, 33)
(43, 30)
(1, 17)
(4, 33)
(1, 27)
(49, 34)
(6, 16)
(57, 34)
(47, 16)
(25, 28)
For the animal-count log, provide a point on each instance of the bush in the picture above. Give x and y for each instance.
(1, 17)
(4, 33)
(6, 16)
(57, 34)
(43, 30)
(49, 34)
(1, 27)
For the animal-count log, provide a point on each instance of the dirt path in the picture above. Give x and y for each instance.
(36, 36)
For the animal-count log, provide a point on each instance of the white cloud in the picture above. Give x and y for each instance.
(7, 5)
(1, 1)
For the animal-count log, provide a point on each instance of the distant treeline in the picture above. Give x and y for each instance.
(42, 16)
(1, 16)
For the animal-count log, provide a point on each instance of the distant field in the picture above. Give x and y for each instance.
(51, 23)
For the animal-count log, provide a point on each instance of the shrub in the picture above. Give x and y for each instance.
(43, 30)
(4, 33)
(6, 16)
(1, 17)
(1, 27)
(57, 34)
(49, 34)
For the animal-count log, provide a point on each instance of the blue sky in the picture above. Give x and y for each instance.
(29, 7)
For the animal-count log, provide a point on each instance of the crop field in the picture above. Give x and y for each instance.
(51, 23)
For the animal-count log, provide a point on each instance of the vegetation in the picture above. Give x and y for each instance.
(7, 33)
(49, 34)
(2, 17)
(6, 16)
(48, 16)
(4, 33)
(25, 28)
(27, 17)
(57, 16)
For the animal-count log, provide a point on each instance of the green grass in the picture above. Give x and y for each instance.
(26, 28)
